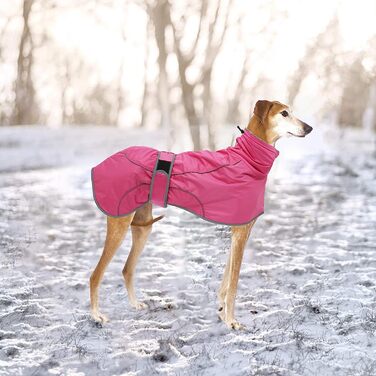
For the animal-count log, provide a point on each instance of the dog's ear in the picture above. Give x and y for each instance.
(262, 109)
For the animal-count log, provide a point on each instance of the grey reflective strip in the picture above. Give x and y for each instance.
(164, 172)
(168, 181)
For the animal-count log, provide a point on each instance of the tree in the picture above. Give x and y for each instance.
(208, 36)
(210, 33)
(355, 94)
(159, 14)
(25, 107)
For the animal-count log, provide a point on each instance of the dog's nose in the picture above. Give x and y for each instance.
(307, 128)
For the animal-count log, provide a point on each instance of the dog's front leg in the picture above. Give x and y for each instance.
(227, 291)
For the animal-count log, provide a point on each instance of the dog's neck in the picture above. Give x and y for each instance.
(256, 127)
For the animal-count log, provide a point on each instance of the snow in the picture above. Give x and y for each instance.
(307, 292)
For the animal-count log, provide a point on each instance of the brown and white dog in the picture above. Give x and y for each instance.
(270, 121)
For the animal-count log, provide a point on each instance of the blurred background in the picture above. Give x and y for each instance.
(185, 65)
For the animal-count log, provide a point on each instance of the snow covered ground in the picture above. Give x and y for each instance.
(307, 290)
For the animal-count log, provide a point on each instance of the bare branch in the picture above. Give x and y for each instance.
(204, 8)
(213, 49)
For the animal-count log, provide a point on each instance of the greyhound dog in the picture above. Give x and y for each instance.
(270, 121)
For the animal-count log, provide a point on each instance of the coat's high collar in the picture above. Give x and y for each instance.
(256, 151)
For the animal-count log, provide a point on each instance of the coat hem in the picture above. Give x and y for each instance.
(177, 206)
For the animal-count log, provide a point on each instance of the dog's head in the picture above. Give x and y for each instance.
(278, 120)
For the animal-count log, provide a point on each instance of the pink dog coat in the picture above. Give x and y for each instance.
(226, 186)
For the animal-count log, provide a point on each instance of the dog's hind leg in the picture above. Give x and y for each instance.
(141, 228)
(116, 230)
(227, 291)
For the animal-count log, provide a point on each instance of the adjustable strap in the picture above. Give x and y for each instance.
(160, 180)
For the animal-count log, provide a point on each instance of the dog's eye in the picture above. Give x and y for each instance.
(284, 113)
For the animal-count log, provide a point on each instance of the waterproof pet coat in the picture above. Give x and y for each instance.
(226, 186)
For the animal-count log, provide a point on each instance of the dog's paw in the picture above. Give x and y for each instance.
(235, 325)
(139, 305)
(99, 318)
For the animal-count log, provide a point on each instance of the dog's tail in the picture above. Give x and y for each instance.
(148, 223)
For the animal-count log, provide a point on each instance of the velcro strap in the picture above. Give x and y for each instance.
(160, 180)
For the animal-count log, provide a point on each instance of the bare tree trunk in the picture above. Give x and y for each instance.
(373, 106)
(188, 102)
(146, 92)
(25, 109)
(66, 81)
(208, 115)
(215, 33)
(355, 96)
(184, 61)
(233, 112)
(214, 45)
(120, 98)
(6, 104)
(160, 15)
(215, 27)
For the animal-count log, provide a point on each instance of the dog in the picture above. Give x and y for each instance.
(270, 121)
